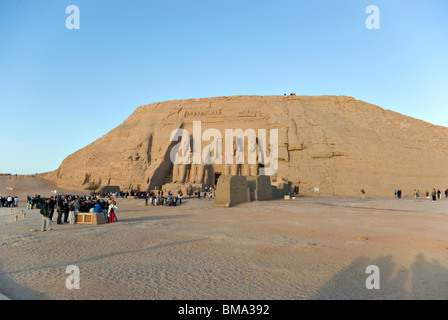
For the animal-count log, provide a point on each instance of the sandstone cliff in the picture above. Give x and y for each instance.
(335, 143)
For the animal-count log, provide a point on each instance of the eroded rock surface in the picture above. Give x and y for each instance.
(335, 143)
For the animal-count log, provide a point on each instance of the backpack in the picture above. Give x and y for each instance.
(43, 211)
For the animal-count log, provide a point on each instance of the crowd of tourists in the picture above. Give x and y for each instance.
(9, 201)
(434, 194)
(136, 194)
(67, 208)
(157, 198)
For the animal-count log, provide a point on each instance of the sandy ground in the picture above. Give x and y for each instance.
(307, 248)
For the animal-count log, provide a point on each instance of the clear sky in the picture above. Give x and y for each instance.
(62, 89)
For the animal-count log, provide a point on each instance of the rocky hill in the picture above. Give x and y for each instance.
(334, 143)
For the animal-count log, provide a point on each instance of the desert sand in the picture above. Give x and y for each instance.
(307, 248)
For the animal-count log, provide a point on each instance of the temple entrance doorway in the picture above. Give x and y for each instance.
(217, 175)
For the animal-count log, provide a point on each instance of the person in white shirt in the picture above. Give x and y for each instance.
(9, 201)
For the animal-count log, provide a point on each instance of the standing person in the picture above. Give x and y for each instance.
(52, 205)
(106, 209)
(434, 194)
(395, 194)
(438, 194)
(363, 194)
(60, 210)
(179, 195)
(71, 213)
(66, 211)
(16, 201)
(115, 212)
(427, 194)
(45, 212)
(415, 194)
(9, 202)
(77, 208)
(446, 193)
(112, 211)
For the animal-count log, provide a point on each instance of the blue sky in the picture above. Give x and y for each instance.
(62, 89)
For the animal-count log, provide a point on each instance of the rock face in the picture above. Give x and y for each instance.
(334, 143)
(231, 190)
(260, 188)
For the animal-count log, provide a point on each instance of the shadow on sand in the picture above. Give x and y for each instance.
(150, 218)
(424, 279)
(13, 290)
